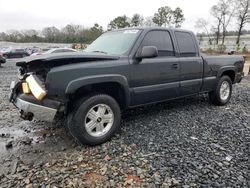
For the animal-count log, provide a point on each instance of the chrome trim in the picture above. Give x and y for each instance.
(39, 112)
(12, 84)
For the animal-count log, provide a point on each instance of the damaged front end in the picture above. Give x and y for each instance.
(34, 93)
(30, 107)
(29, 95)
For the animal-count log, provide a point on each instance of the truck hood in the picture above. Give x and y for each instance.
(64, 58)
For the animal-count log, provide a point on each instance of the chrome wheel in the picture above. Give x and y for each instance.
(224, 90)
(99, 120)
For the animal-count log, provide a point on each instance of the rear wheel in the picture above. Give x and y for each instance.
(222, 93)
(96, 119)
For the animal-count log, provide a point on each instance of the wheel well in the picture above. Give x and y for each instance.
(229, 73)
(113, 89)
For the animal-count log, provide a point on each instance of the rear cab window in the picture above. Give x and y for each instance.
(186, 44)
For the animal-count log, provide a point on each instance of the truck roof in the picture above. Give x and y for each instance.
(154, 28)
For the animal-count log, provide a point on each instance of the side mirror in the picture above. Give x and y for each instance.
(148, 52)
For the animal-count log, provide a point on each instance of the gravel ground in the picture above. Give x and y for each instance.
(183, 143)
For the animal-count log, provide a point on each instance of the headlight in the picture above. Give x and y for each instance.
(35, 87)
(25, 88)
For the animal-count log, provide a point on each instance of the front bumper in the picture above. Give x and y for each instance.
(30, 107)
(30, 110)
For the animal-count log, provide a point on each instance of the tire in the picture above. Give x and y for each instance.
(222, 93)
(95, 120)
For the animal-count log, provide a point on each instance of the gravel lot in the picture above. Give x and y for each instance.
(183, 143)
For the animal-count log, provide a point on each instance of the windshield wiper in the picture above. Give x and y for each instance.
(97, 51)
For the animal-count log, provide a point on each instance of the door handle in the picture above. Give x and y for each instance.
(175, 66)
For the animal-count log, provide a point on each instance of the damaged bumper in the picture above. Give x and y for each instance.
(30, 107)
(30, 110)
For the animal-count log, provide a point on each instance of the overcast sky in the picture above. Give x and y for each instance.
(32, 14)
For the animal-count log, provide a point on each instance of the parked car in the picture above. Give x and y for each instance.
(5, 49)
(54, 50)
(120, 70)
(40, 51)
(31, 50)
(16, 53)
(45, 49)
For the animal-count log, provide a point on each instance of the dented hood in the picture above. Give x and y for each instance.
(64, 58)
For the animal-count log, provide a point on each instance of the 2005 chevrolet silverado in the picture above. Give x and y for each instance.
(121, 69)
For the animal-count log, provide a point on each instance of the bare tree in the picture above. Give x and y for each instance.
(242, 16)
(29, 32)
(14, 35)
(3, 36)
(223, 12)
(202, 24)
(215, 11)
(71, 29)
(227, 14)
(51, 33)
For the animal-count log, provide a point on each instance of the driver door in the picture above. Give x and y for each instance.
(156, 79)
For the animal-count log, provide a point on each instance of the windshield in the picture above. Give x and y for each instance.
(114, 42)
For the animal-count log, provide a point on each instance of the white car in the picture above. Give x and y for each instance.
(55, 50)
(5, 49)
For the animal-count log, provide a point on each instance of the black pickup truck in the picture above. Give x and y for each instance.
(120, 70)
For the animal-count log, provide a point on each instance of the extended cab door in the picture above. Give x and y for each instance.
(191, 64)
(155, 79)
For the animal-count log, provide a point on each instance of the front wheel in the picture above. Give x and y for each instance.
(222, 93)
(96, 119)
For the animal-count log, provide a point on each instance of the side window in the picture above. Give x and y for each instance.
(186, 44)
(161, 40)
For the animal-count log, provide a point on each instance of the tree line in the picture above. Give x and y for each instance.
(71, 33)
(164, 17)
(225, 13)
